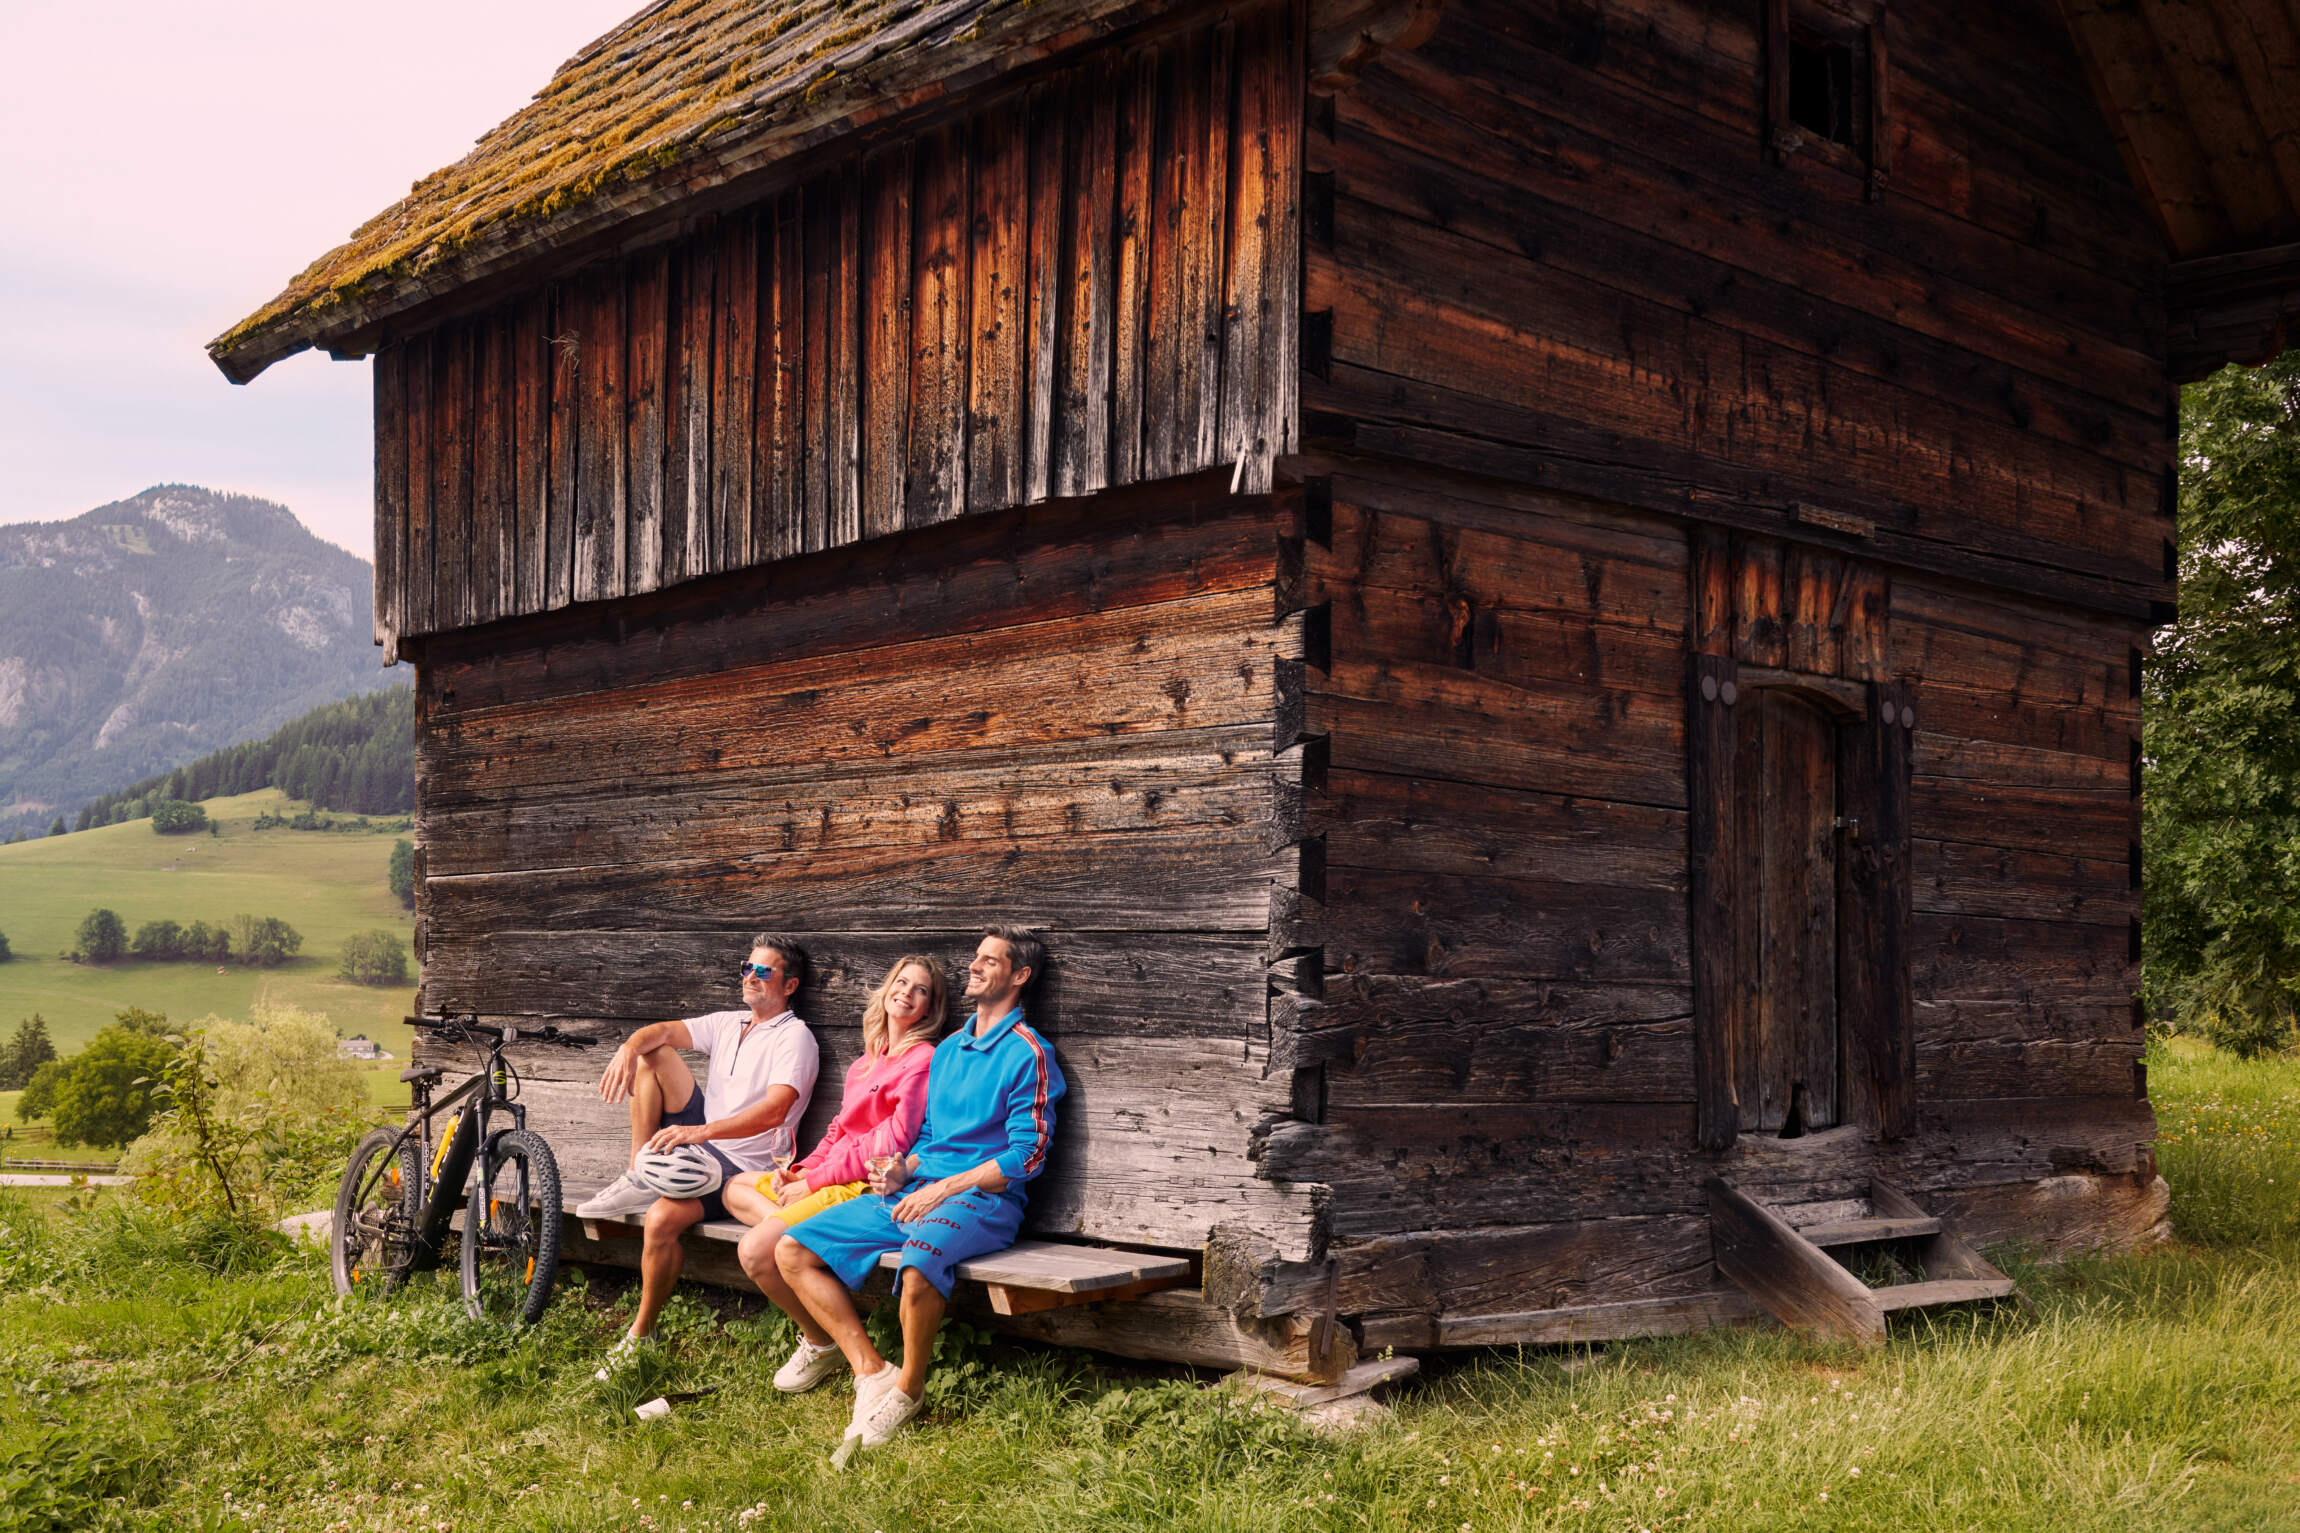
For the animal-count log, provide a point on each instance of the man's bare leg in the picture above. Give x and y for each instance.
(660, 1085)
(820, 1292)
(661, 1257)
(922, 1311)
(757, 1254)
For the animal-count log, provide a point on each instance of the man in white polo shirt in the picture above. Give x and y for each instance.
(763, 1063)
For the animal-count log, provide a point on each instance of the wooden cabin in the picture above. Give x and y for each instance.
(1542, 598)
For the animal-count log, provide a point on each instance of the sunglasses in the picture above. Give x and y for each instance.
(755, 971)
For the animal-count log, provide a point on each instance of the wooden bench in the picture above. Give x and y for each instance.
(1024, 1279)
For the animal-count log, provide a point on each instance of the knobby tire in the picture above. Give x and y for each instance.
(512, 1220)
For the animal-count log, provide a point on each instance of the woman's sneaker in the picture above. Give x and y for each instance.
(619, 1199)
(808, 1366)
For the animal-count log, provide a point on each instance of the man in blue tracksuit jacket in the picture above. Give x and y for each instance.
(990, 1096)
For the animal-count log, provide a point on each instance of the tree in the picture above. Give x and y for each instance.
(374, 958)
(210, 944)
(265, 941)
(59, 828)
(152, 1024)
(174, 817)
(5, 955)
(101, 938)
(105, 1095)
(158, 941)
(2221, 732)
(39, 1098)
(23, 1055)
(402, 874)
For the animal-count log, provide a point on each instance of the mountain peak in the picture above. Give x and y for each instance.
(146, 632)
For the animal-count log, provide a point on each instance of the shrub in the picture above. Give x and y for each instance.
(374, 958)
(137, 1020)
(25, 1053)
(101, 938)
(402, 874)
(105, 1093)
(174, 817)
(5, 955)
(265, 941)
(158, 941)
(259, 1116)
(210, 944)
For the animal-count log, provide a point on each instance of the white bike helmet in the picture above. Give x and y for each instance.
(684, 1171)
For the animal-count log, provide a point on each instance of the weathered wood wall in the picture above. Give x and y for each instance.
(1601, 384)
(1068, 718)
(1089, 282)
(1551, 244)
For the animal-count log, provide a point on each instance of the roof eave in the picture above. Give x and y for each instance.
(842, 98)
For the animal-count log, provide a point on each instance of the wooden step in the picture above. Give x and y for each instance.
(1940, 1291)
(1854, 1232)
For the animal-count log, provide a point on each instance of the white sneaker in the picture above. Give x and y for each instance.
(868, 1387)
(622, 1355)
(619, 1199)
(879, 1415)
(808, 1366)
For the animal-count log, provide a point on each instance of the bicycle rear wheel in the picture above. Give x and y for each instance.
(373, 1236)
(511, 1230)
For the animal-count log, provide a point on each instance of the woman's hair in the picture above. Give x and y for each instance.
(937, 1006)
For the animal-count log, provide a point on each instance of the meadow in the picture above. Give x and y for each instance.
(187, 1376)
(326, 884)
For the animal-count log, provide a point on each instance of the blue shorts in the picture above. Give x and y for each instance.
(853, 1236)
(691, 1116)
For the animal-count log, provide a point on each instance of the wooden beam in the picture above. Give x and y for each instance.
(2230, 308)
(1796, 1282)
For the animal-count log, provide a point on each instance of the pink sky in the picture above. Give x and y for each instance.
(169, 167)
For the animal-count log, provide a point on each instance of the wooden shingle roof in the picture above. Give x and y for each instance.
(685, 97)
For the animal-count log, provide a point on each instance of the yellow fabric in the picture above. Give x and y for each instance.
(818, 1200)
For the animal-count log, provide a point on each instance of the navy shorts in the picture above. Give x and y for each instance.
(691, 1116)
(853, 1236)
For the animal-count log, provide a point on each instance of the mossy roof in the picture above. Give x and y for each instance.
(685, 95)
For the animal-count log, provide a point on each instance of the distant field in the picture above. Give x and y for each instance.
(326, 884)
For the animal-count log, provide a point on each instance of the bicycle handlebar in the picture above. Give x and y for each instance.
(468, 1025)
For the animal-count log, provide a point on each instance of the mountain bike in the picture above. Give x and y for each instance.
(401, 1192)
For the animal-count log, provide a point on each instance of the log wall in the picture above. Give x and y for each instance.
(1074, 718)
(1597, 382)
(1089, 282)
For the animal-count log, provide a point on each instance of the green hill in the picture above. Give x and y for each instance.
(326, 884)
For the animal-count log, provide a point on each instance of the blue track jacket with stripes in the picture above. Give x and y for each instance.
(990, 1098)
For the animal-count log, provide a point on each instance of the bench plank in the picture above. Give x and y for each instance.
(1042, 1265)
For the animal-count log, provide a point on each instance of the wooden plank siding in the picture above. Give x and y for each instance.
(1063, 288)
(1558, 253)
(1065, 716)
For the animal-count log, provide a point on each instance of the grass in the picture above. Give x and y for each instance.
(327, 885)
(180, 1376)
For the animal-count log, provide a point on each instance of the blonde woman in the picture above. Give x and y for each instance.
(879, 1115)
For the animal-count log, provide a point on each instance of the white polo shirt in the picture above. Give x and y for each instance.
(744, 1066)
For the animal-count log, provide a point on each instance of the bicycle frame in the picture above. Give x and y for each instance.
(448, 1164)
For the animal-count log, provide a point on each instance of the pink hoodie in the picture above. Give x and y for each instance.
(879, 1114)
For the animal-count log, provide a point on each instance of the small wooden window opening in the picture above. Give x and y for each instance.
(1826, 84)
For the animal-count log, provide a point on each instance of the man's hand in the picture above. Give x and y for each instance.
(922, 1202)
(622, 1069)
(678, 1134)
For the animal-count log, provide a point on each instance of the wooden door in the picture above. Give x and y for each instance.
(1785, 912)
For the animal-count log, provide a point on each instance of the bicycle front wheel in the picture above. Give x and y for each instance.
(373, 1236)
(511, 1230)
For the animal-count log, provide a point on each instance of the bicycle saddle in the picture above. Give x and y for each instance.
(415, 1073)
